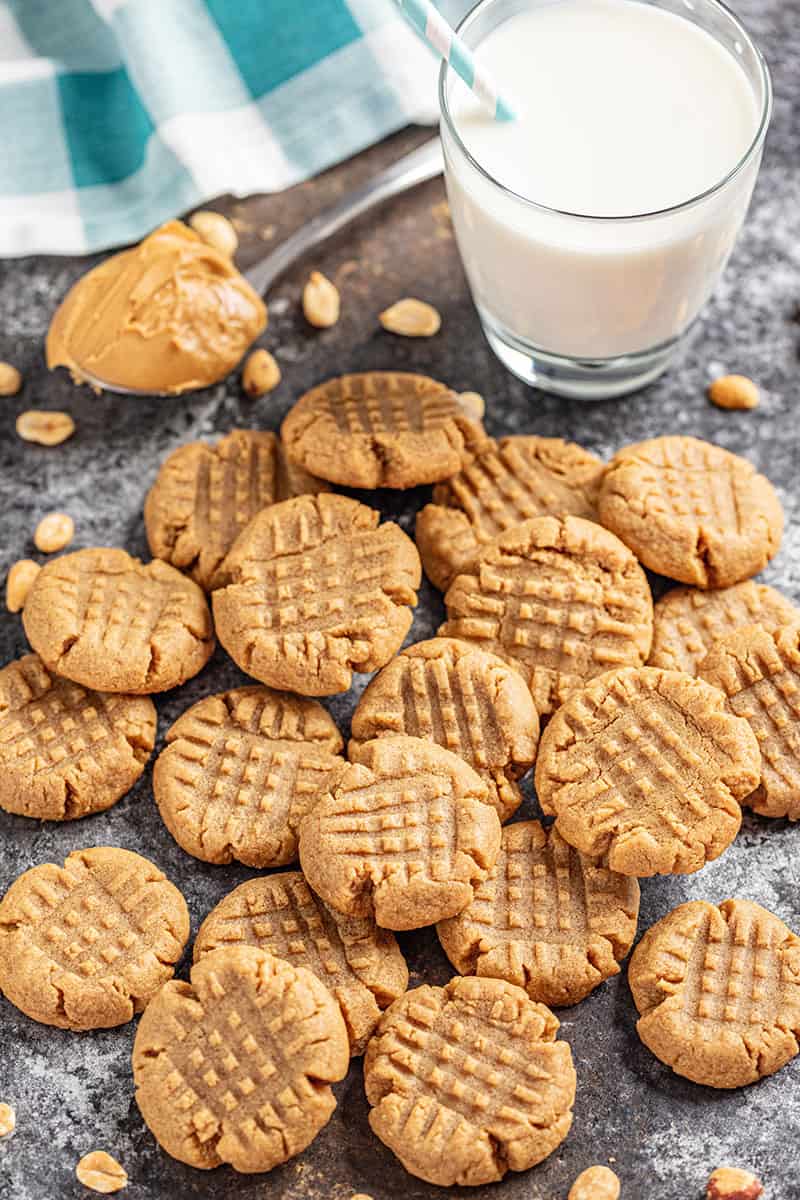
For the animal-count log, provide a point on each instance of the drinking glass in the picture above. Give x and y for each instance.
(585, 306)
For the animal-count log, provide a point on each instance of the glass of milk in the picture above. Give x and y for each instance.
(595, 227)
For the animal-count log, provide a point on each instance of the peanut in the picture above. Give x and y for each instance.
(472, 404)
(411, 318)
(10, 380)
(18, 584)
(216, 231)
(321, 302)
(443, 221)
(8, 1120)
(734, 391)
(54, 532)
(46, 428)
(595, 1183)
(731, 1183)
(102, 1173)
(261, 373)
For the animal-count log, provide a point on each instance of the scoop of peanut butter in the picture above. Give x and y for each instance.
(170, 315)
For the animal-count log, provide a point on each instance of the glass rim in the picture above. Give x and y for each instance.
(749, 154)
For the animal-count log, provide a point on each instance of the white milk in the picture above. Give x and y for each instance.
(626, 109)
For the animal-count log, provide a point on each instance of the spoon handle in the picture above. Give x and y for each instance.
(420, 165)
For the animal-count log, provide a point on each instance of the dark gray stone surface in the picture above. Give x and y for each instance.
(73, 1093)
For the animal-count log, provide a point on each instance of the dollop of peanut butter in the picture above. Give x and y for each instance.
(170, 315)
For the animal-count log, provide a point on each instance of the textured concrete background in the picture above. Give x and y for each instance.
(73, 1093)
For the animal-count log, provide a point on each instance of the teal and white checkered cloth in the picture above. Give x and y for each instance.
(118, 114)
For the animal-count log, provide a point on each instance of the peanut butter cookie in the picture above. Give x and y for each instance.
(111, 622)
(504, 483)
(66, 752)
(691, 510)
(464, 699)
(87, 945)
(204, 496)
(359, 963)
(315, 590)
(546, 918)
(404, 835)
(646, 769)
(380, 429)
(239, 772)
(468, 1082)
(759, 672)
(235, 1066)
(687, 622)
(718, 990)
(560, 599)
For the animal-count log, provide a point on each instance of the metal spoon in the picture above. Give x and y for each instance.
(417, 167)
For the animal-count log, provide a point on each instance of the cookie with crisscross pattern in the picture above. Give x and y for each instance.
(111, 622)
(204, 496)
(691, 510)
(503, 484)
(464, 699)
(560, 599)
(235, 1066)
(239, 772)
(359, 963)
(759, 672)
(718, 990)
(404, 835)
(545, 918)
(687, 622)
(87, 945)
(646, 769)
(468, 1082)
(315, 589)
(65, 751)
(380, 429)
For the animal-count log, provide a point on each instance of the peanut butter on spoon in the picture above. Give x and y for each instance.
(170, 315)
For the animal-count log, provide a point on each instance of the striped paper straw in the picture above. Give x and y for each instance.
(432, 26)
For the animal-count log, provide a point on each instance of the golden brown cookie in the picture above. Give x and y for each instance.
(315, 590)
(759, 672)
(204, 496)
(468, 1082)
(239, 772)
(464, 699)
(359, 963)
(235, 1066)
(87, 945)
(503, 484)
(380, 429)
(646, 768)
(687, 622)
(546, 918)
(404, 835)
(691, 510)
(66, 752)
(561, 599)
(718, 990)
(111, 622)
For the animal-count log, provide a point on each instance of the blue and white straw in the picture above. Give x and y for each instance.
(439, 35)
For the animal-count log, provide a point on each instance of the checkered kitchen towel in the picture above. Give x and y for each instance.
(118, 114)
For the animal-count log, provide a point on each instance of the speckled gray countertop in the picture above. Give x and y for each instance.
(73, 1093)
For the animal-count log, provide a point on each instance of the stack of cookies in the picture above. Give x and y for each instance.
(648, 726)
